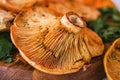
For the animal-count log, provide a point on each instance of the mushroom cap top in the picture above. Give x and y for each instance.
(16, 5)
(88, 13)
(53, 44)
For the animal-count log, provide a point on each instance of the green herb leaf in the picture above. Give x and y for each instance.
(107, 25)
(5, 47)
(8, 60)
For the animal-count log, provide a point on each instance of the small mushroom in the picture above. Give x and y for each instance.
(6, 19)
(52, 44)
(16, 5)
(112, 61)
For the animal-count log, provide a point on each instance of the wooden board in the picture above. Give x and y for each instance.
(15, 71)
(20, 71)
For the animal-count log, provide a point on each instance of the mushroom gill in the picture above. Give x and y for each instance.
(54, 45)
(112, 61)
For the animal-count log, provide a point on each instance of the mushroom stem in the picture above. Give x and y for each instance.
(72, 22)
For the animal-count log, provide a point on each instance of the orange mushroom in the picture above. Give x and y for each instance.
(112, 61)
(52, 44)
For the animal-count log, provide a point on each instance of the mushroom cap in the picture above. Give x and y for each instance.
(16, 5)
(112, 61)
(88, 13)
(52, 44)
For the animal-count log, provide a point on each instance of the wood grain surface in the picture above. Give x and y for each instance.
(21, 71)
(15, 71)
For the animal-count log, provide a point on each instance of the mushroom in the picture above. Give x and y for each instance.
(6, 19)
(52, 44)
(112, 61)
(88, 13)
(16, 5)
